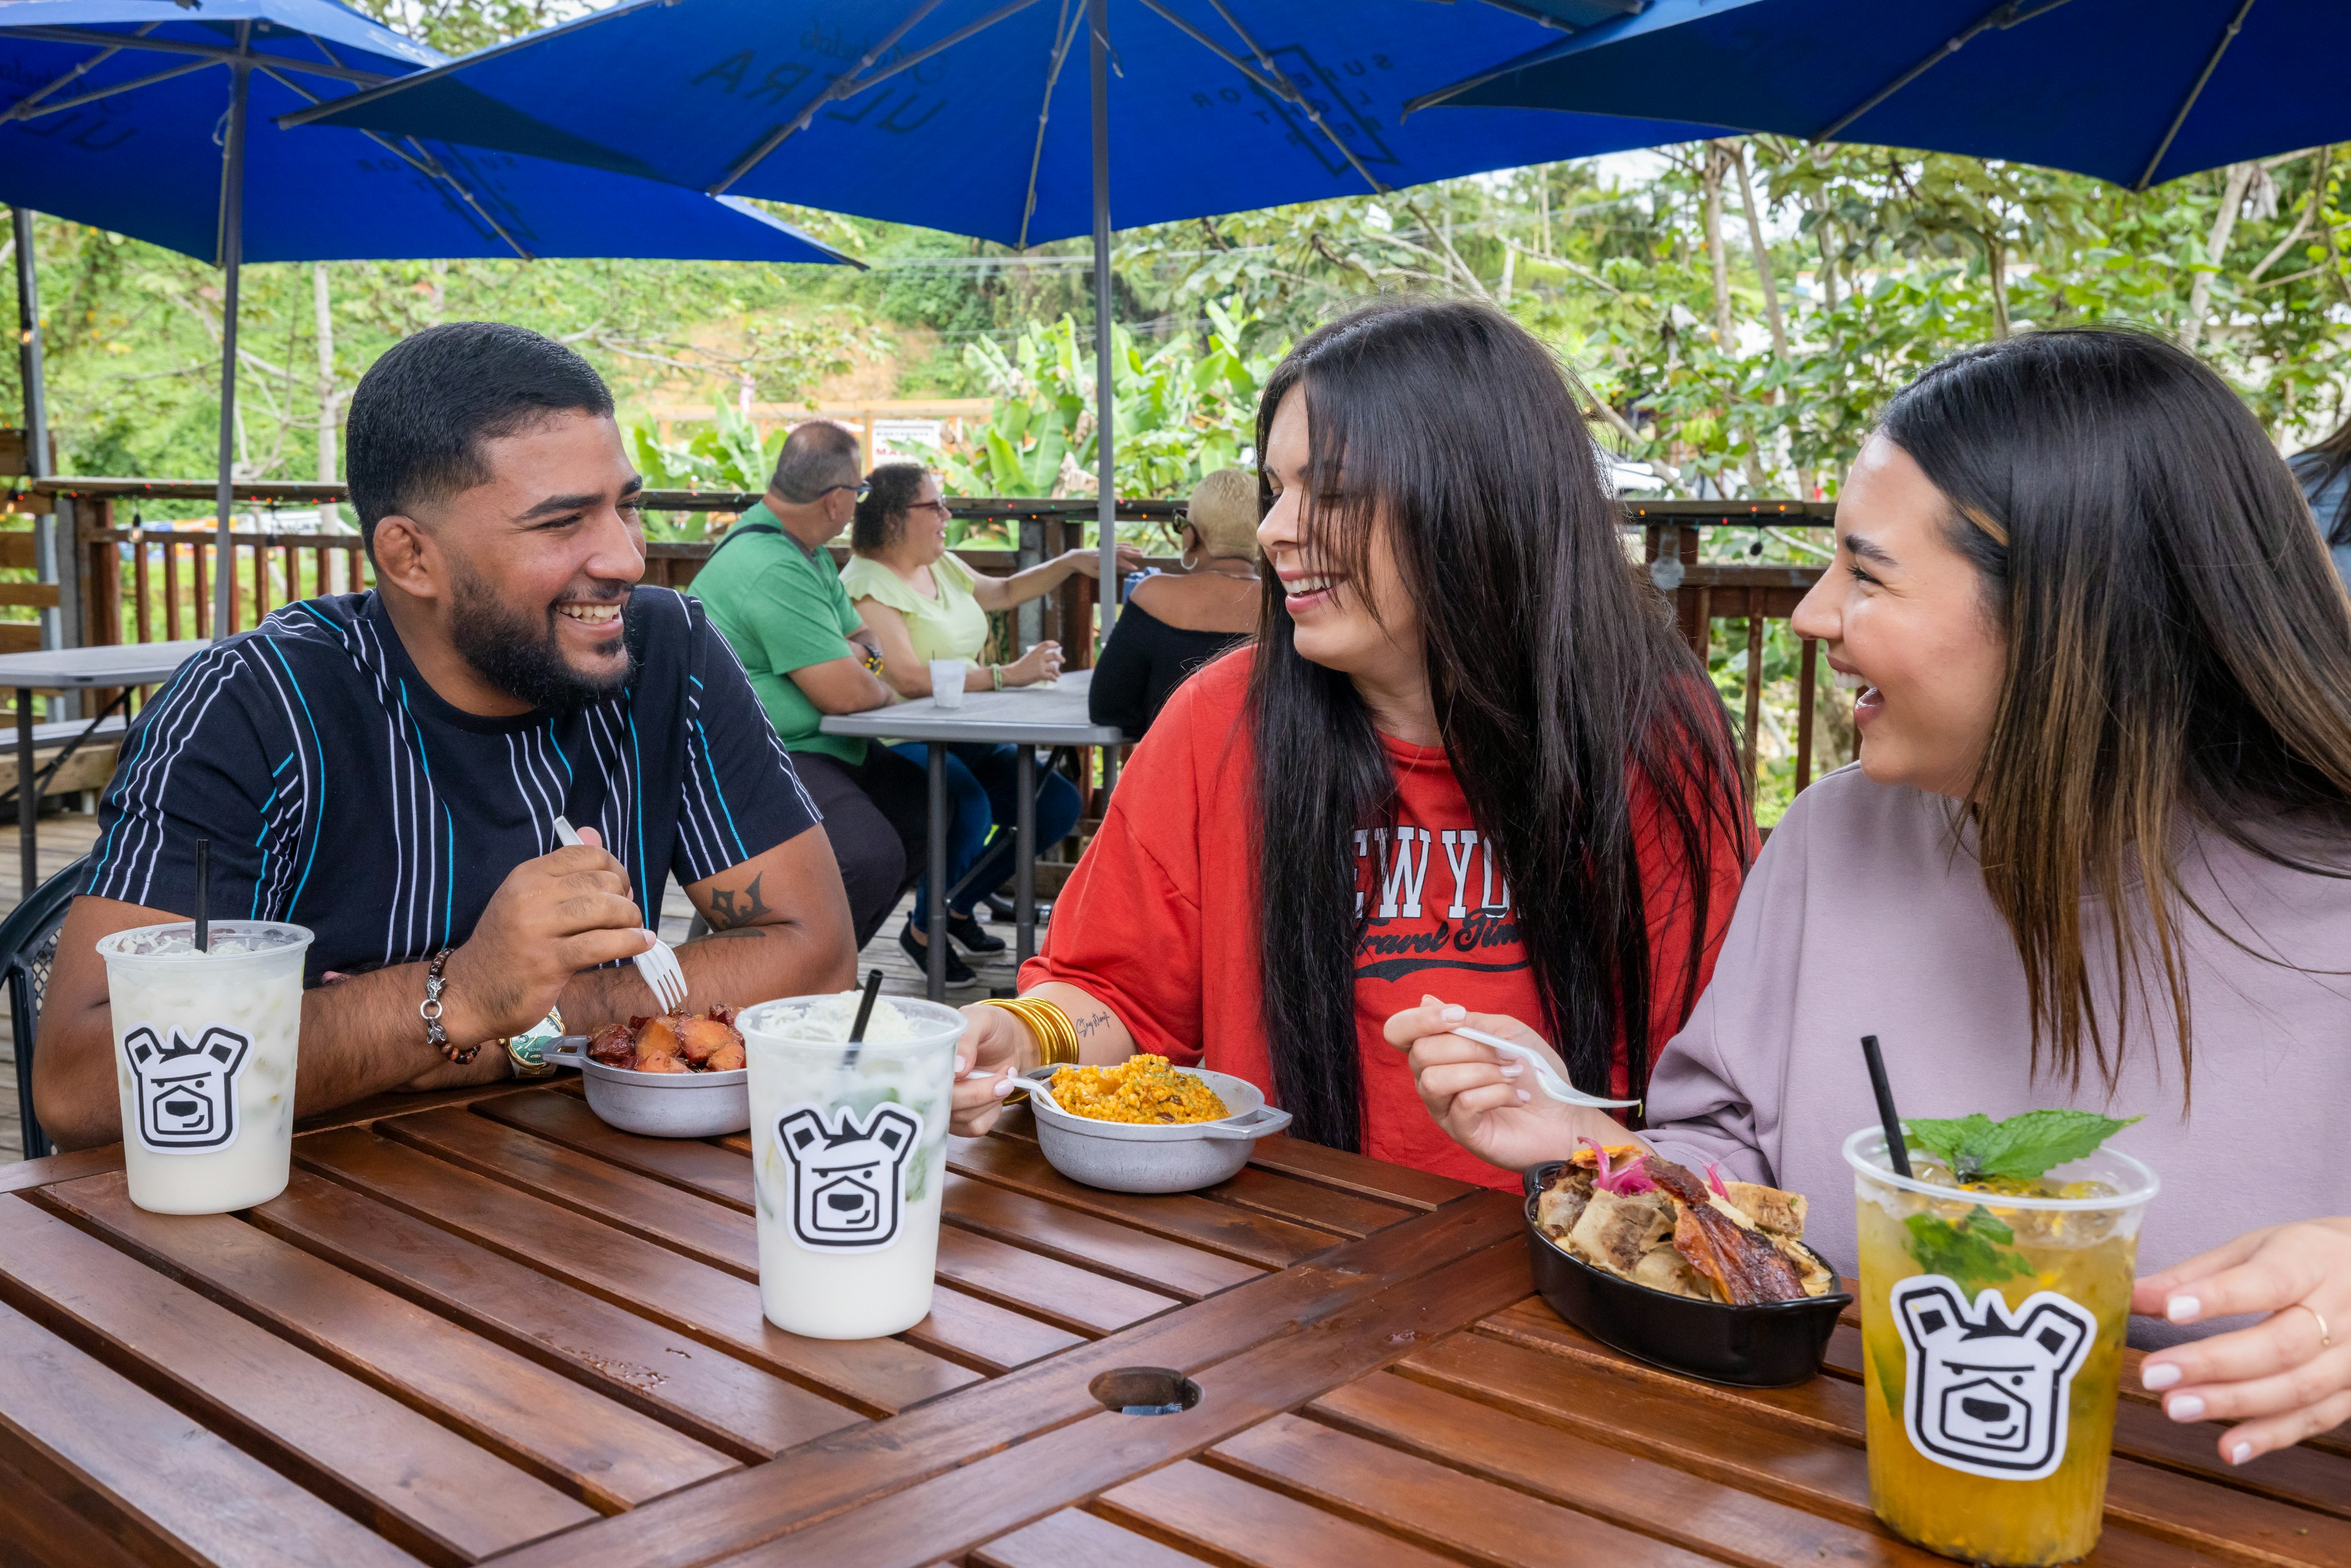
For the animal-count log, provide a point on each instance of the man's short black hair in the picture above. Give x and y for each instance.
(424, 409)
(819, 456)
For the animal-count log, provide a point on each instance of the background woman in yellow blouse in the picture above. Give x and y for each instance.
(922, 604)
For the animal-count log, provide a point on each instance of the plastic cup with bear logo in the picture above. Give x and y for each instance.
(849, 1156)
(205, 1045)
(1992, 1334)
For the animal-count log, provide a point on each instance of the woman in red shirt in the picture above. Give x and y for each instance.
(1469, 759)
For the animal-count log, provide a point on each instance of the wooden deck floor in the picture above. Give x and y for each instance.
(66, 837)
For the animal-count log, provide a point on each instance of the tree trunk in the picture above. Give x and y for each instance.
(1996, 259)
(1711, 183)
(330, 517)
(1542, 202)
(1762, 255)
(1510, 263)
(1828, 257)
(1756, 237)
(2200, 293)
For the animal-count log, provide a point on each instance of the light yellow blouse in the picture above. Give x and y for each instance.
(951, 626)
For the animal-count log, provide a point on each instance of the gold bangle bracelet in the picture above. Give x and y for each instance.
(1047, 1024)
(1055, 1034)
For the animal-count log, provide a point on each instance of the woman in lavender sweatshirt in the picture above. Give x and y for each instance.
(2097, 853)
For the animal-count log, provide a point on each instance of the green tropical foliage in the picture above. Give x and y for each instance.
(726, 455)
(1183, 408)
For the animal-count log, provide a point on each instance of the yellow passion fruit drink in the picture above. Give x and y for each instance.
(1995, 1293)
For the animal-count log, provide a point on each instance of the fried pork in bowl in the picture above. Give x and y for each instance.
(677, 1076)
(1700, 1275)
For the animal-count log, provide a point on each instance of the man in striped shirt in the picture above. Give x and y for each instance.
(386, 768)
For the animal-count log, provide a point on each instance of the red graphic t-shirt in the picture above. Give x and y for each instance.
(1159, 922)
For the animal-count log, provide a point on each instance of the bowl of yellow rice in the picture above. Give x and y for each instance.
(1147, 1126)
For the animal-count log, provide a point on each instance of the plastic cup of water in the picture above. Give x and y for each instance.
(946, 682)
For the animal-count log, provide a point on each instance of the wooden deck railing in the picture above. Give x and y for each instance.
(142, 582)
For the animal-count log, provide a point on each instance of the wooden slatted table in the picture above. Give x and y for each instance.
(484, 1327)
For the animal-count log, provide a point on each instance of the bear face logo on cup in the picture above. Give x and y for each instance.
(1988, 1391)
(186, 1094)
(849, 1177)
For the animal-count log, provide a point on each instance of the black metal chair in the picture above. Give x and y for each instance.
(28, 946)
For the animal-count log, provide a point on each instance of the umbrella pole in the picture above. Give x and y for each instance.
(28, 348)
(1106, 401)
(37, 425)
(232, 258)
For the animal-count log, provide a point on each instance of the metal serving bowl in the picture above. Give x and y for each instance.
(1134, 1156)
(660, 1104)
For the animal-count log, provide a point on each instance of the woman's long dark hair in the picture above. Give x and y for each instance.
(1559, 688)
(2317, 467)
(2178, 653)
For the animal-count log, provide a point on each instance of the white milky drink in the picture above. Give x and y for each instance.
(848, 1160)
(204, 1051)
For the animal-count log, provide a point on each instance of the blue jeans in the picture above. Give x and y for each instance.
(983, 792)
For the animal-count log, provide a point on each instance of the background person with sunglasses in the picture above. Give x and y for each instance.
(772, 591)
(922, 604)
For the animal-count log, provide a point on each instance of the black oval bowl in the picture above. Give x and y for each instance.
(1767, 1346)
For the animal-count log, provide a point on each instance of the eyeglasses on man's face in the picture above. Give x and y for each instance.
(859, 490)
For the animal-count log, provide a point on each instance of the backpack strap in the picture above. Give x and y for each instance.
(737, 532)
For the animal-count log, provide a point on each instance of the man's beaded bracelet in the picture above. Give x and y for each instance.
(429, 1010)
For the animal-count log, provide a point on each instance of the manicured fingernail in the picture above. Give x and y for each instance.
(1454, 1013)
(2157, 1375)
(1512, 1069)
(2183, 1309)
(1524, 1097)
(963, 1065)
(1003, 1086)
(2240, 1453)
(2184, 1407)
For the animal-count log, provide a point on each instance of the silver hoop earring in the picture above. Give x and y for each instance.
(1184, 560)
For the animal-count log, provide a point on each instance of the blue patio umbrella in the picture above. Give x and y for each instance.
(976, 117)
(2134, 91)
(152, 118)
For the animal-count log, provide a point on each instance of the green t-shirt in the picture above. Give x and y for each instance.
(781, 608)
(951, 626)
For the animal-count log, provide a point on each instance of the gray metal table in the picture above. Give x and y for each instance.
(124, 664)
(1027, 717)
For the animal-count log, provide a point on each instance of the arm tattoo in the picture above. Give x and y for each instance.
(729, 910)
(1092, 1021)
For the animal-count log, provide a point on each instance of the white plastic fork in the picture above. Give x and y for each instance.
(1558, 1088)
(658, 963)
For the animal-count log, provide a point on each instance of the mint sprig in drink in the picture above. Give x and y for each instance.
(1995, 1294)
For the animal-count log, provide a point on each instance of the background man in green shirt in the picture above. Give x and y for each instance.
(772, 591)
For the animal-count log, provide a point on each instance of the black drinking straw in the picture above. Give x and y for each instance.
(1895, 1150)
(865, 1013)
(204, 888)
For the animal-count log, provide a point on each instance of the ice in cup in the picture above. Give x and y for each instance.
(849, 1156)
(1992, 1331)
(205, 1052)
